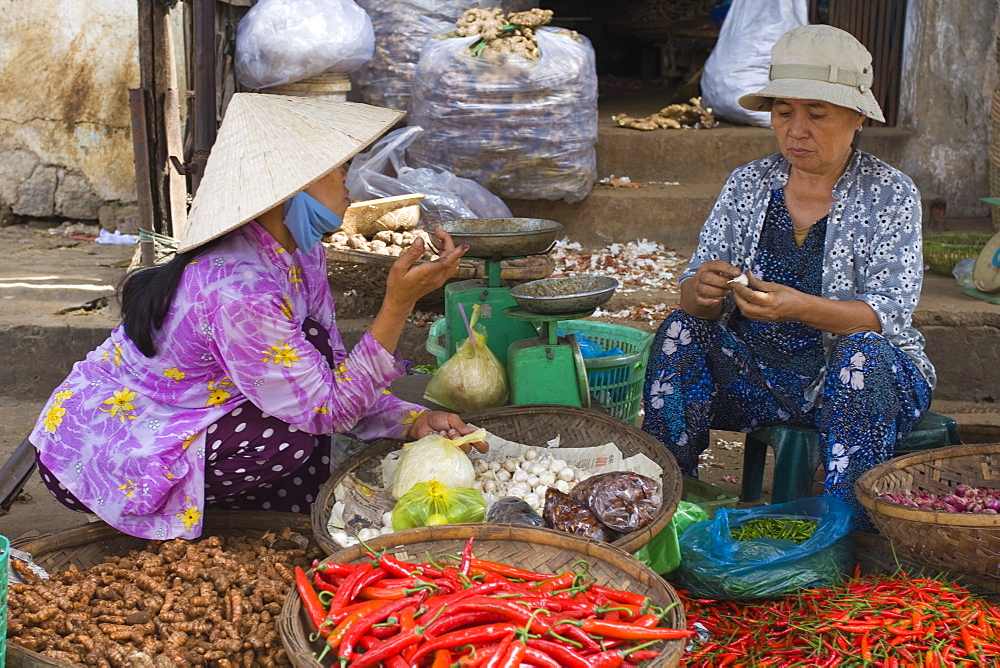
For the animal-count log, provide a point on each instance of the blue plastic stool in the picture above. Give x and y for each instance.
(797, 455)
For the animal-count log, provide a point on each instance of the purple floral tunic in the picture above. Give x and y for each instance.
(125, 433)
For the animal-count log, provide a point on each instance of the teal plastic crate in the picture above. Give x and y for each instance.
(615, 381)
(4, 563)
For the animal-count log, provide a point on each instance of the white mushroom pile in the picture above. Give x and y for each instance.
(527, 477)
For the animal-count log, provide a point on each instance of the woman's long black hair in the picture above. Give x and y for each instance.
(146, 295)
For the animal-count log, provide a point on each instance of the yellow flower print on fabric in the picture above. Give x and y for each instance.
(217, 394)
(54, 416)
(121, 404)
(281, 353)
(387, 392)
(322, 410)
(174, 374)
(295, 275)
(167, 474)
(186, 443)
(340, 373)
(189, 517)
(64, 395)
(286, 306)
(117, 358)
(128, 488)
(410, 416)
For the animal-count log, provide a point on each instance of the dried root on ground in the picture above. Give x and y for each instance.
(673, 117)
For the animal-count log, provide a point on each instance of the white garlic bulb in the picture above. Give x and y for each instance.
(741, 279)
(495, 466)
(510, 465)
(531, 499)
(548, 479)
(368, 533)
(519, 476)
(387, 518)
(385, 530)
(563, 486)
(537, 469)
(503, 476)
(557, 465)
(490, 486)
(530, 454)
(566, 473)
(479, 465)
(532, 480)
(540, 490)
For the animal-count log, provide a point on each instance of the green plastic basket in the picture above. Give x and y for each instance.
(4, 561)
(615, 381)
(943, 250)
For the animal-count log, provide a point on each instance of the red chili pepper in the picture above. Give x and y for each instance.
(631, 631)
(509, 571)
(501, 651)
(345, 594)
(392, 647)
(361, 626)
(560, 581)
(322, 585)
(310, 599)
(333, 568)
(510, 610)
(574, 632)
(560, 653)
(466, 558)
(476, 634)
(620, 595)
(337, 634)
(514, 655)
(442, 659)
(453, 621)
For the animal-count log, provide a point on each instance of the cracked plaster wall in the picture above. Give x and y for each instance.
(65, 137)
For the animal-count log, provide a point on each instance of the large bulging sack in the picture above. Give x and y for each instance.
(524, 129)
(282, 41)
(741, 59)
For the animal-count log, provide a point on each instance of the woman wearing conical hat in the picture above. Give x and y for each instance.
(227, 375)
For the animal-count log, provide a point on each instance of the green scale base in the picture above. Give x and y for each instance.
(546, 369)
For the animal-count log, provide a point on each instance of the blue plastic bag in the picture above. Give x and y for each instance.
(716, 565)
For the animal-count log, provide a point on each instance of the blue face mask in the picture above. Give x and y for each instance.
(308, 220)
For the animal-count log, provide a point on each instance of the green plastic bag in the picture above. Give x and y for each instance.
(663, 552)
(430, 503)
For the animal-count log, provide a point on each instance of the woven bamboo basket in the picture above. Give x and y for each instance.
(959, 542)
(86, 546)
(392, 214)
(531, 548)
(995, 192)
(366, 273)
(530, 425)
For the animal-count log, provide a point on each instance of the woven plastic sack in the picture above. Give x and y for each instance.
(716, 565)
(523, 129)
(431, 503)
(435, 457)
(384, 172)
(473, 378)
(281, 41)
(741, 60)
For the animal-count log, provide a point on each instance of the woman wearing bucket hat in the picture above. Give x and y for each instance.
(828, 240)
(227, 375)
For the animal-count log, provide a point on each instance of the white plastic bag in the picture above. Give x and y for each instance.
(740, 61)
(435, 457)
(524, 129)
(383, 172)
(281, 41)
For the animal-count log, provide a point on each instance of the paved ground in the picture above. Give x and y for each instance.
(42, 274)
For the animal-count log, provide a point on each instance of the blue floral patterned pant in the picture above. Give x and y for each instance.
(702, 376)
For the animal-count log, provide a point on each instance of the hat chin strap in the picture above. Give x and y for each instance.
(829, 73)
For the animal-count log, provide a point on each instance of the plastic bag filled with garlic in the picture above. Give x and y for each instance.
(526, 477)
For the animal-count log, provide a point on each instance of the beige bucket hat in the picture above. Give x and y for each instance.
(271, 147)
(819, 62)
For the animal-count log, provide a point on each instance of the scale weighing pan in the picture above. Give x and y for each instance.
(498, 238)
(566, 294)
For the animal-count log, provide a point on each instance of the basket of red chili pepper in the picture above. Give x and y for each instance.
(927, 505)
(450, 595)
(533, 425)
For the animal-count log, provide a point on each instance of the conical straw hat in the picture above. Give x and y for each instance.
(269, 148)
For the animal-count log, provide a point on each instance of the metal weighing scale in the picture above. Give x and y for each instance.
(493, 240)
(548, 368)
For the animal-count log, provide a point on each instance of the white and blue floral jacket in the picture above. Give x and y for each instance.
(873, 246)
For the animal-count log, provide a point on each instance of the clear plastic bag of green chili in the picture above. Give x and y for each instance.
(716, 565)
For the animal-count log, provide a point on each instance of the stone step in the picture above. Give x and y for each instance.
(707, 155)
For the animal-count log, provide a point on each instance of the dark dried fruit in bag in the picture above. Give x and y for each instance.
(621, 500)
(565, 513)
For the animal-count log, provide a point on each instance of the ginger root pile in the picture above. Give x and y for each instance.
(211, 602)
(673, 117)
(501, 33)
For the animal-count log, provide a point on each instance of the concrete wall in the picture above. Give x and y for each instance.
(949, 77)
